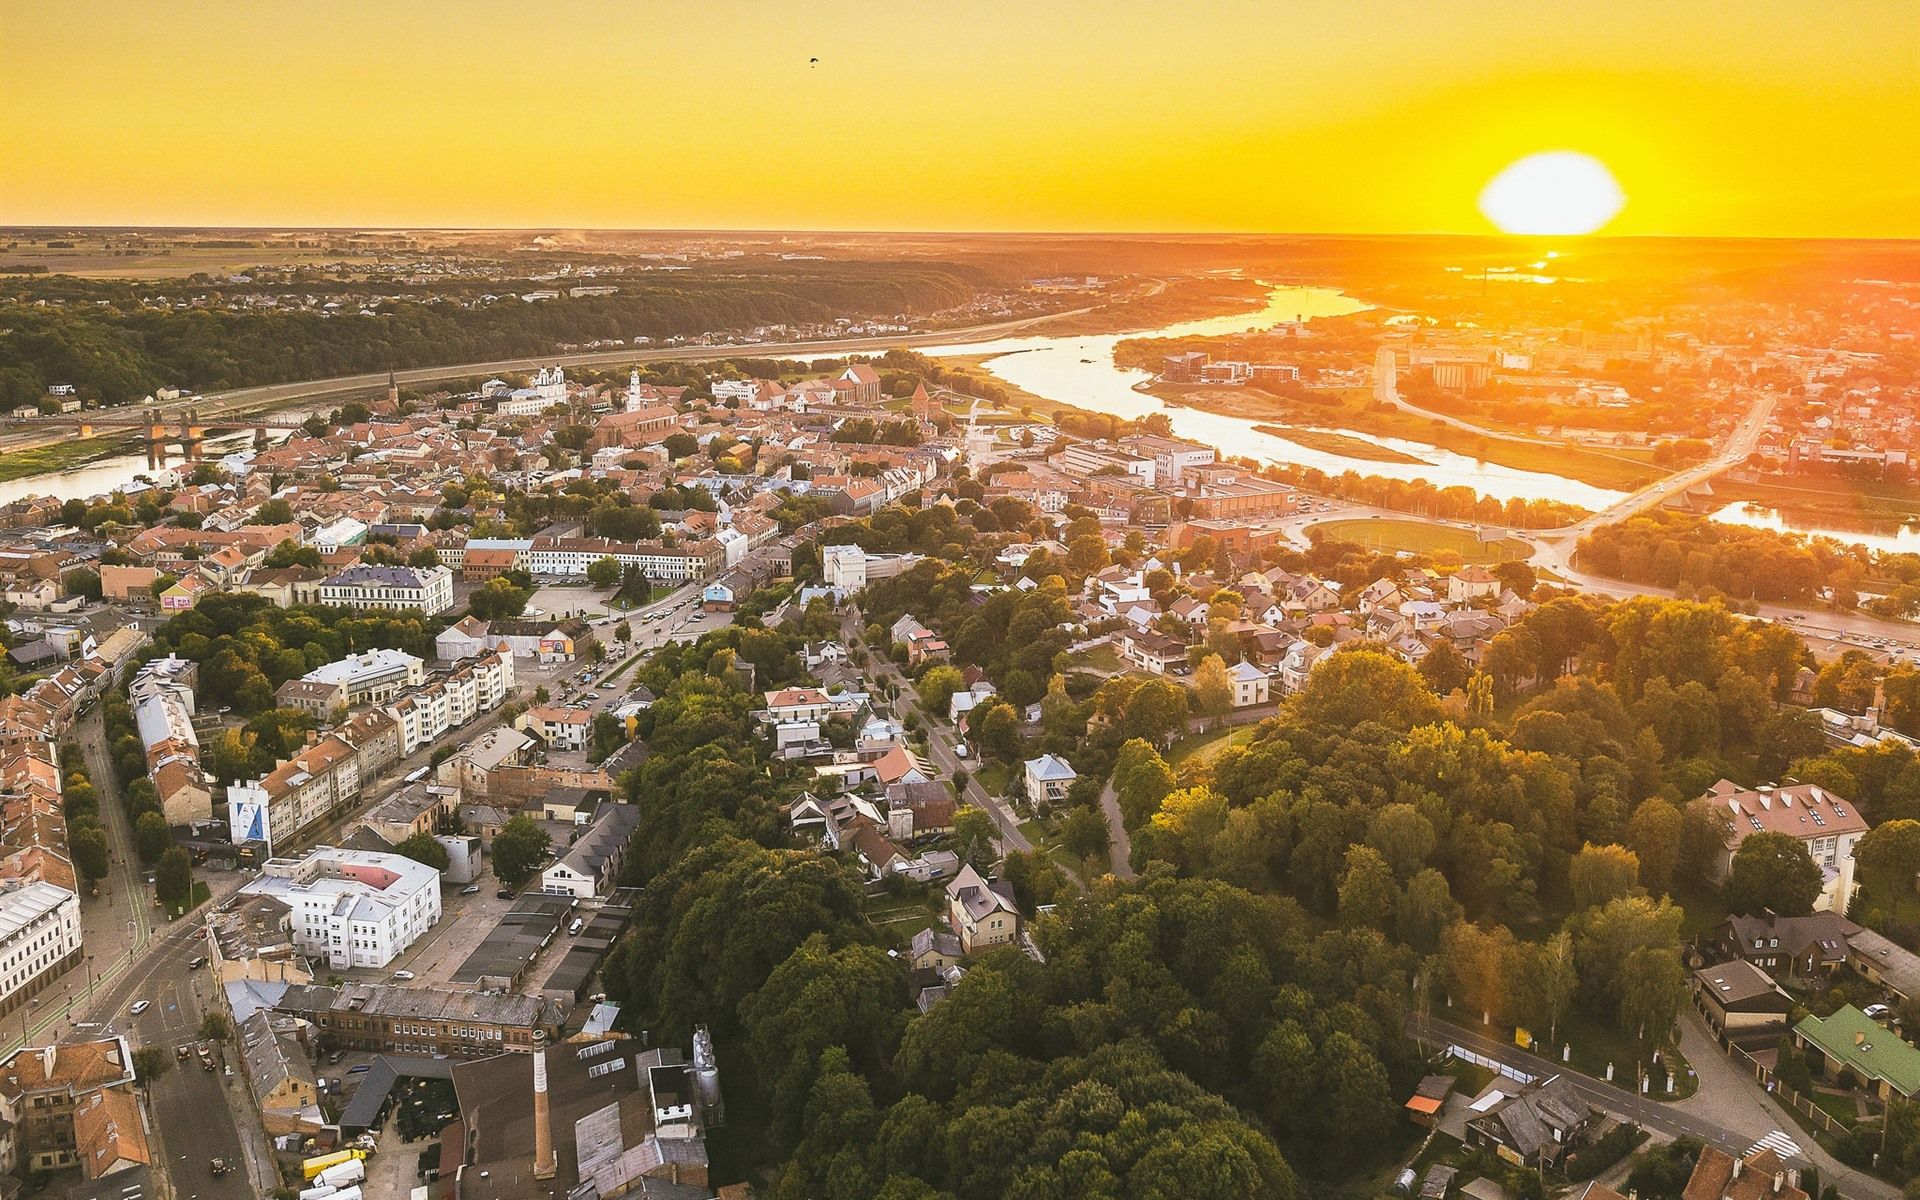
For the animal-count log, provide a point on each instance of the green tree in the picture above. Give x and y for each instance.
(81, 582)
(1889, 861)
(1653, 987)
(1549, 979)
(423, 848)
(88, 845)
(1141, 779)
(1773, 871)
(1653, 834)
(1445, 669)
(936, 686)
(150, 1063)
(973, 837)
(151, 837)
(518, 850)
(173, 880)
(1084, 834)
(603, 572)
(1427, 909)
(1369, 897)
(1351, 687)
(215, 1027)
(1403, 836)
(1602, 873)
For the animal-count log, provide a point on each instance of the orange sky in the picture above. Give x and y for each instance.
(1752, 118)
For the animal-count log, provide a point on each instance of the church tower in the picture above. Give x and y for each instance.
(633, 391)
(393, 388)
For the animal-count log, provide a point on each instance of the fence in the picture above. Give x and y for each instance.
(1491, 1064)
(1796, 1101)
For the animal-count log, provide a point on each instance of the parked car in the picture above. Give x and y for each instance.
(1877, 1012)
(359, 1069)
(576, 925)
(197, 961)
(139, 1006)
(404, 976)
(472, 889)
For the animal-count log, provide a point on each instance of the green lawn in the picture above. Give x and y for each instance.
(1204, 747)
(17, 464)
(1419, 537)
(899, 917)
(993, 777)
(1101, 658)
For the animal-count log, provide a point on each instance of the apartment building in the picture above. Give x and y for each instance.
(427, 590)
(447, 702)
(569, 558)
(39, 938)
(1828, 825)
(296, 795)
(352, 908)
(72, 1105)
(1103, 458)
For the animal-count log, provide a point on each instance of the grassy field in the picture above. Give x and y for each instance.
(1355, 410)
(1205, 747)
(1419, 537)
(1101, 658)
(17, 464)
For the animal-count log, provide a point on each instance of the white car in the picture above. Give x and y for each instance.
(403, 976)
(1876, 1012)
(139, 1006)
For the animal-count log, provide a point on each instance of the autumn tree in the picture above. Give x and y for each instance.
(1212, 690)
(1598, 874)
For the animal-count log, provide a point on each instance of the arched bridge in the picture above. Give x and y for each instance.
(183, 427)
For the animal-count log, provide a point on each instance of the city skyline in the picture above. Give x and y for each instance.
(1768, 121)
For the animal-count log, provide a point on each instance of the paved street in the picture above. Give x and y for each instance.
(940, 742)
(1671, 1119)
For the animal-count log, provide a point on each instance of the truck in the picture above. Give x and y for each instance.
(313, 1166)
(341, 1174)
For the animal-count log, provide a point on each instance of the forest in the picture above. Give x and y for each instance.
(1701, 557)
(115, 349)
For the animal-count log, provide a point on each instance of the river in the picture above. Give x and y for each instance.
(1080, 370)
(116, 471)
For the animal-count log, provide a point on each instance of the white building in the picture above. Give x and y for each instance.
(844, 567)
(294, 796)
(1171, 456)
(352, 908)
(39, 938)
(426, 589)
(1251, 685)
(373, 677)
(1048, 778)
(449, 701)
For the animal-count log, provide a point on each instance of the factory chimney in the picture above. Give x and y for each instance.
(544, 1165)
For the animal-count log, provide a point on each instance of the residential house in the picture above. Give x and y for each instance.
(1048, 779)
(1851, 1049)
(1539, 1124)
(981, 914)
(1826, 824)
(1741, 1002)
(1758, 1175)
(1800, 949)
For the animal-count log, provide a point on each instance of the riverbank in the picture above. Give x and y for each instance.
(1860, 505)
(54, 457)
(1353, 410)
(1337, 443)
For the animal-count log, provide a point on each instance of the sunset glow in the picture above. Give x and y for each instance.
(1357, 115)
(1559, 193)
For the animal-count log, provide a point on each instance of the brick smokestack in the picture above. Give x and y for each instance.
(544, 1164)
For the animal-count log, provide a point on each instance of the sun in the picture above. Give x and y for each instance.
(1557, 193)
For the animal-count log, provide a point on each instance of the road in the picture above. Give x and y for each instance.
(1659, 1116)
(940, 744)
(1119, 845)
(214, 405)
(1656, 1115)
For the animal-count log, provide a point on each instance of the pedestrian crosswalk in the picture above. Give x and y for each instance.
(1780, 1144)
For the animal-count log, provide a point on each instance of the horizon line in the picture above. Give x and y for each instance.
(1132, 234)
